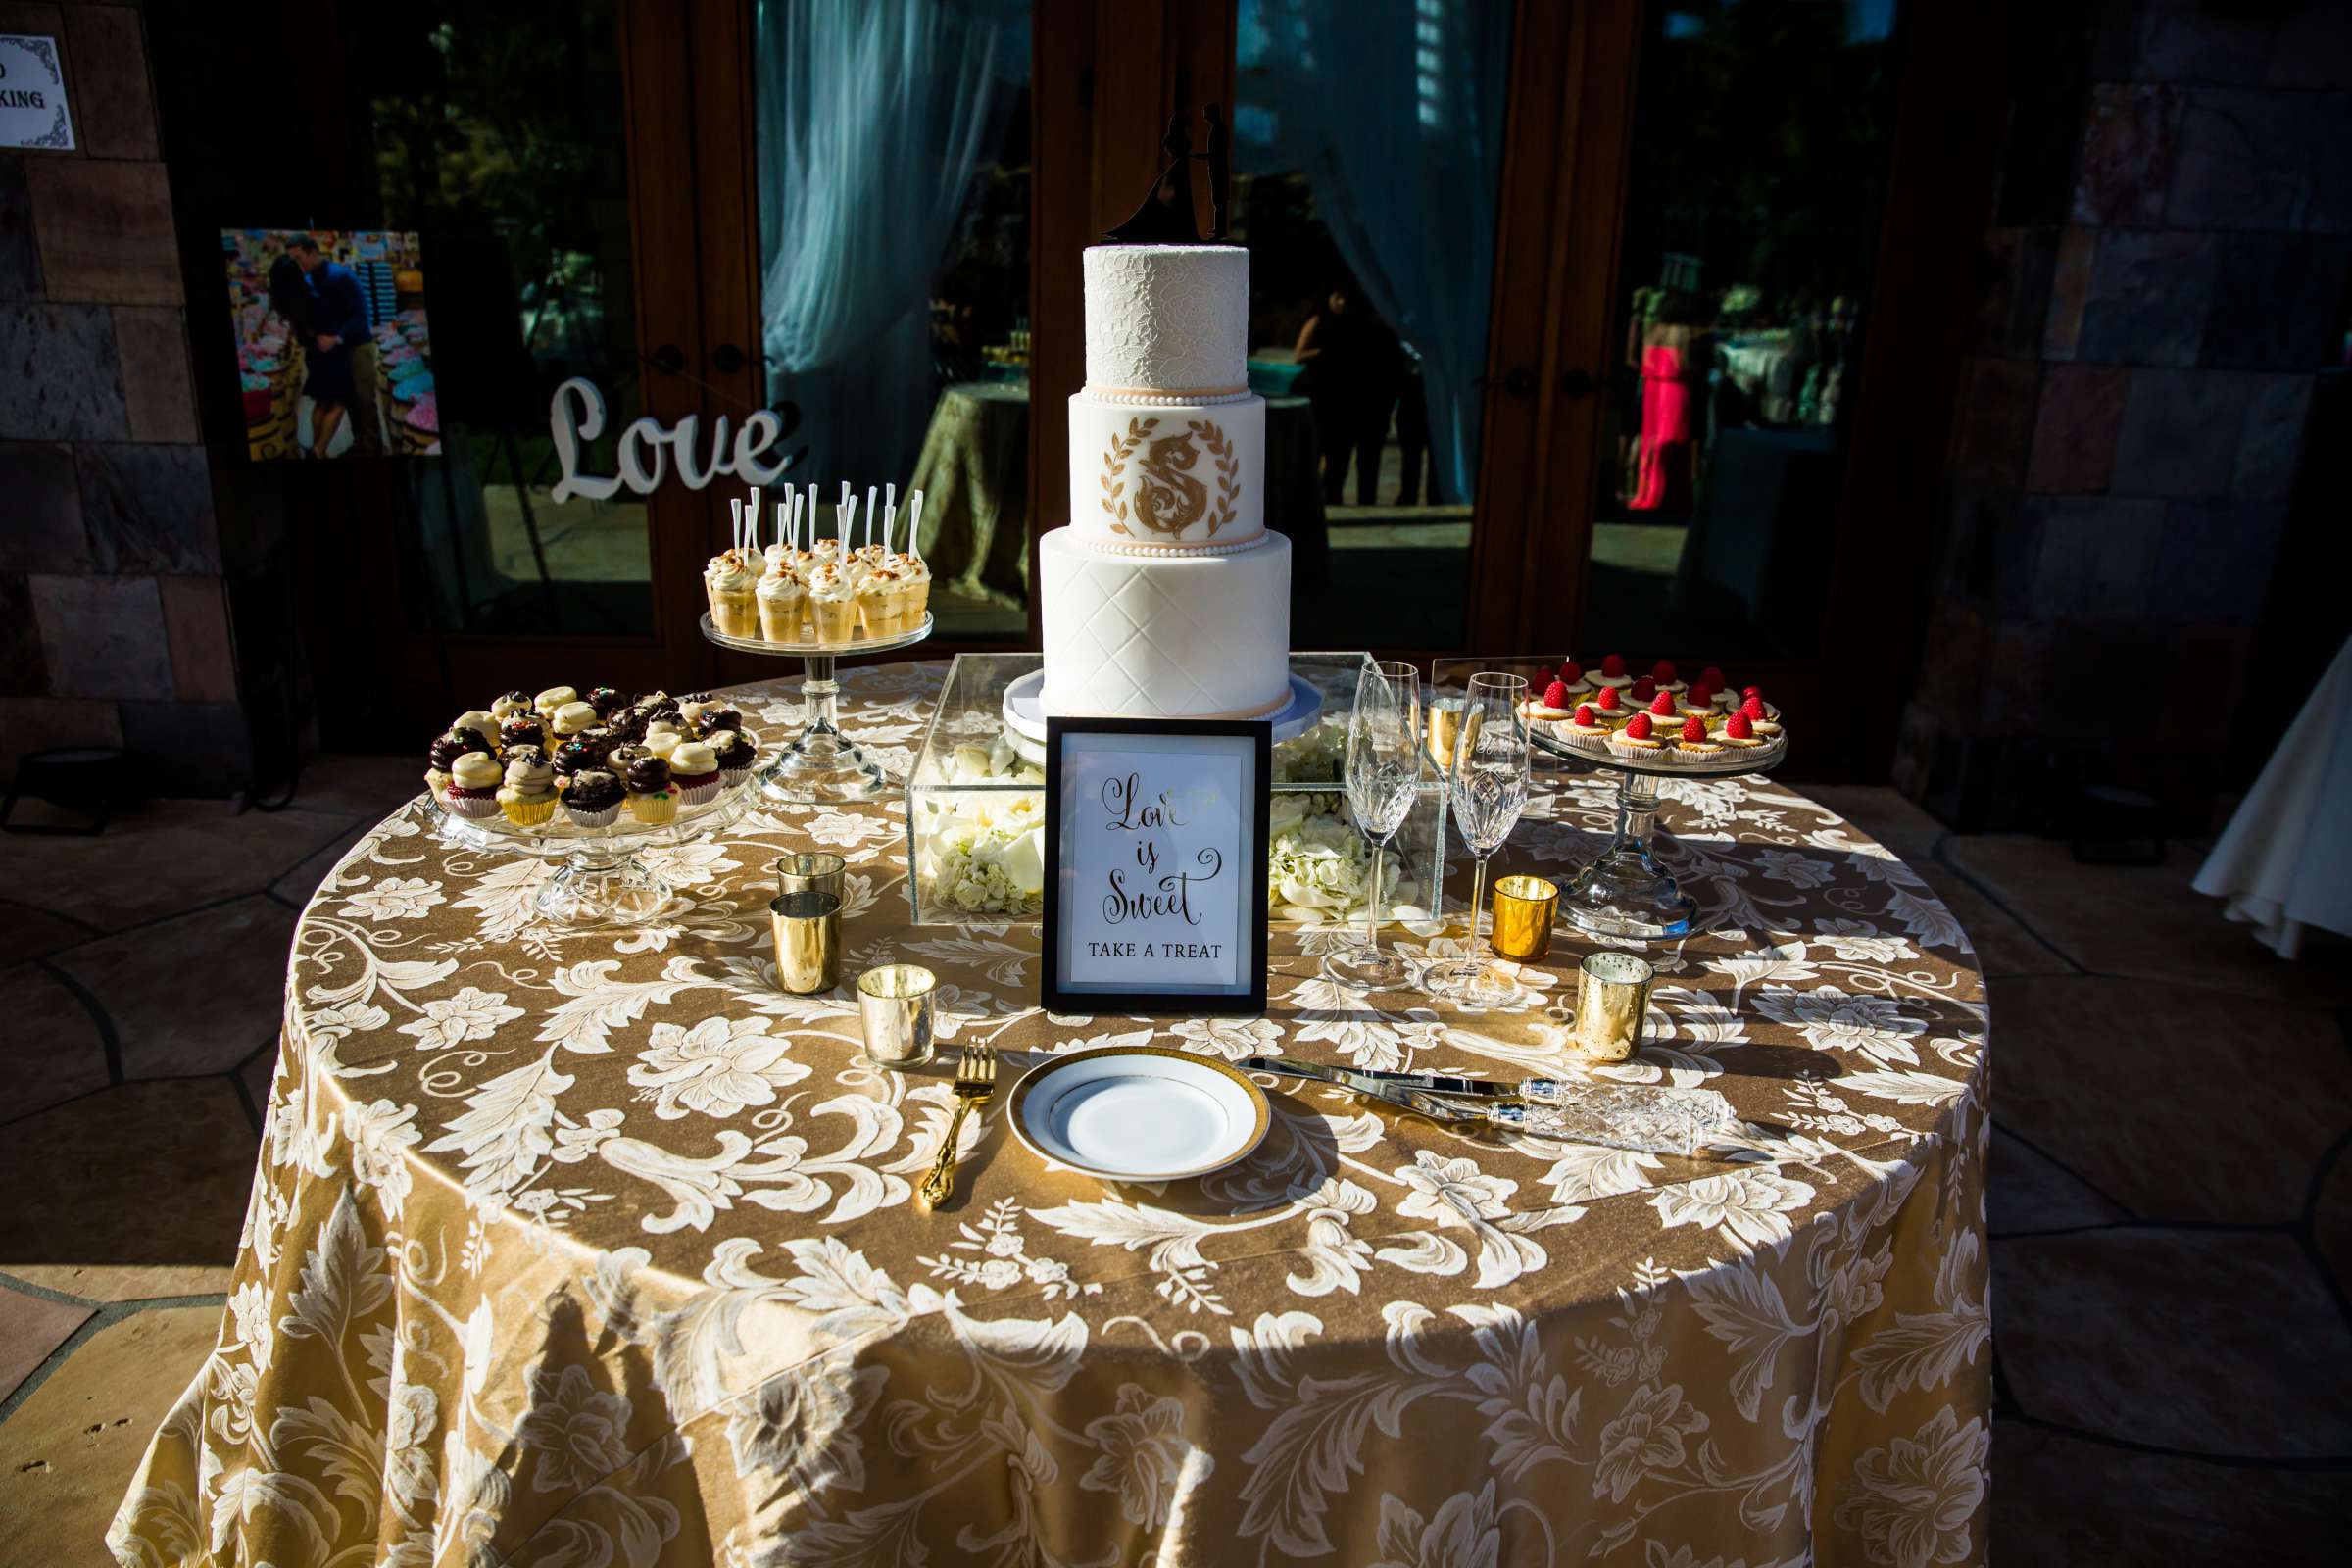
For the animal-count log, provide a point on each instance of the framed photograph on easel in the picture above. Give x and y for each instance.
(1155, 865)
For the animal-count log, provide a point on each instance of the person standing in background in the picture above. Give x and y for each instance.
(1352, 365)
(344, 332)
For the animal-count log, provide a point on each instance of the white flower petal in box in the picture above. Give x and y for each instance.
(975, 812)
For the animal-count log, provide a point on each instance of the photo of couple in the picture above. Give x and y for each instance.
(333, 351)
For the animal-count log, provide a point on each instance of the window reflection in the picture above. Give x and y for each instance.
(1371, 234)
(1757, 181)
(522, 200)
(894, 241)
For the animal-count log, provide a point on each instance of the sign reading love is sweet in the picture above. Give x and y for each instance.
(1155, 865)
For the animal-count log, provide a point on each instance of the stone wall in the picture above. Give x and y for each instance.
(113, 596)
(2165, 273)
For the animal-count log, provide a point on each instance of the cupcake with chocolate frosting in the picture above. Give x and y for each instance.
(443, 754)
(736, 755)
(594, 798)
(653, 800)
(520, 729)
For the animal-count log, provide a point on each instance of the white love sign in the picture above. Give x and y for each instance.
(1155, 865)
(577, 416)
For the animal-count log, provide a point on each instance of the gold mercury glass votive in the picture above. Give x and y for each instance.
(1523, 909)
(816, 873)
(1612, 996)
(896, 1002)
(1445, 728)
(807, 940)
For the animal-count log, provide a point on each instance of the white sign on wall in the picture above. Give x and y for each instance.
(32, 94)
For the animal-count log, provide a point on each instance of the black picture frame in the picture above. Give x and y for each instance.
(1061, 991)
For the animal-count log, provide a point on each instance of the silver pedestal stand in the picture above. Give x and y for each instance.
(821, 764)
(1626, 894)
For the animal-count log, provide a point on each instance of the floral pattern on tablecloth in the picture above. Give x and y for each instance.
(594, 1247)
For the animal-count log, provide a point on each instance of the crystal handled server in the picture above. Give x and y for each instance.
(1648, 1118)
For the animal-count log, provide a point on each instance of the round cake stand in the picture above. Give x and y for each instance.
(821, 764)
(601, 881)
(1625, 893)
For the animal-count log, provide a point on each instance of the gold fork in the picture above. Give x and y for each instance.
(975, 1080)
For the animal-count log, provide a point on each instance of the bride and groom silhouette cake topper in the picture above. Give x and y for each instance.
(1166, 216)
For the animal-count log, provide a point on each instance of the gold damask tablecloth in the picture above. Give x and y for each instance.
(596, 1249)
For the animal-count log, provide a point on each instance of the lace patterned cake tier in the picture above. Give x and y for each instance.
(1171, 317)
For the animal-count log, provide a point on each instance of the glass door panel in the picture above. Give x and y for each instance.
(522, 198)
(1754, 193)
(894, 188)
(1367, 158)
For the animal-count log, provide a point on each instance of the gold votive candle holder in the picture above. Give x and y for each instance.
(896, 1004)
(1523, 909)
(807, 928)
(1445, 728)
(1612, 998)
(815, 872)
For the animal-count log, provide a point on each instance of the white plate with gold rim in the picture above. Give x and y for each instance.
(1139, 1114)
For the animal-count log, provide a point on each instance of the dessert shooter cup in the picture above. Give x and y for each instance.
(836, 619)
(1612, 998)
(807, 931)
(736, 613)
(780, 615)
(815, 872)
(897, 1005)
(1523, 909)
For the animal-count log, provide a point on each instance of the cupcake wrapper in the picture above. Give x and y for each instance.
(695, 794)
(1636, 751)
(472, 806)
(528, 813)
(729, 777)
(654, 809)
(602, 818)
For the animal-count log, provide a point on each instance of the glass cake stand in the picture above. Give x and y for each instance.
(601, 881)
(821, 764)
(1625, 893)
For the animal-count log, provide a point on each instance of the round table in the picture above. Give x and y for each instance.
(594, 1247)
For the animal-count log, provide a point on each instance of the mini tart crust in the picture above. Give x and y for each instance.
(1639, 748)
(1698, 748)
(1737, 744)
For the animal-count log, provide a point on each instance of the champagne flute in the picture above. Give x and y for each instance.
(1488, 787)
(1384, 775)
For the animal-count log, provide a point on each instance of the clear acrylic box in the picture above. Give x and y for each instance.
(976, 799)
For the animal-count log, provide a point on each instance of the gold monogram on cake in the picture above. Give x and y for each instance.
(1169, 497)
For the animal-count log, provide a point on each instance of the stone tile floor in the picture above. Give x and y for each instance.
(2171, 1188)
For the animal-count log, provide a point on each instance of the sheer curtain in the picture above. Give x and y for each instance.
(873, 117)
(1393, 113)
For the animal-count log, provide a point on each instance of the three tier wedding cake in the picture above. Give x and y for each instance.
(1166, 597)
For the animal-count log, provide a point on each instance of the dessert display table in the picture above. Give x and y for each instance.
(594, 1246)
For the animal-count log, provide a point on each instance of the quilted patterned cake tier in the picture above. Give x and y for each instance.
(1189, 636)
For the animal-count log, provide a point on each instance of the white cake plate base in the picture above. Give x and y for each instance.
(1025, 714)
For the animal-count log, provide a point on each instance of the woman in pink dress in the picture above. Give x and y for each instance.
(1670, 371)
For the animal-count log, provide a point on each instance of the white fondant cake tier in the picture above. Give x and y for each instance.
(1194, 635)
(1170, 318)
(1167, 476)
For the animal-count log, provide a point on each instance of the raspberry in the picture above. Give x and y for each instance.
(1751, 691)
(1584, 715)
(1712, 678)
(1662, 672)
(1738, 728)
(1639, 729)
(1555, 695)
(1752, 708)
(1613, 667)
(1702, 695)
(1695, 729)
(1664, 706)
(1644, 689)
(1571, 671)
(1608, 700)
